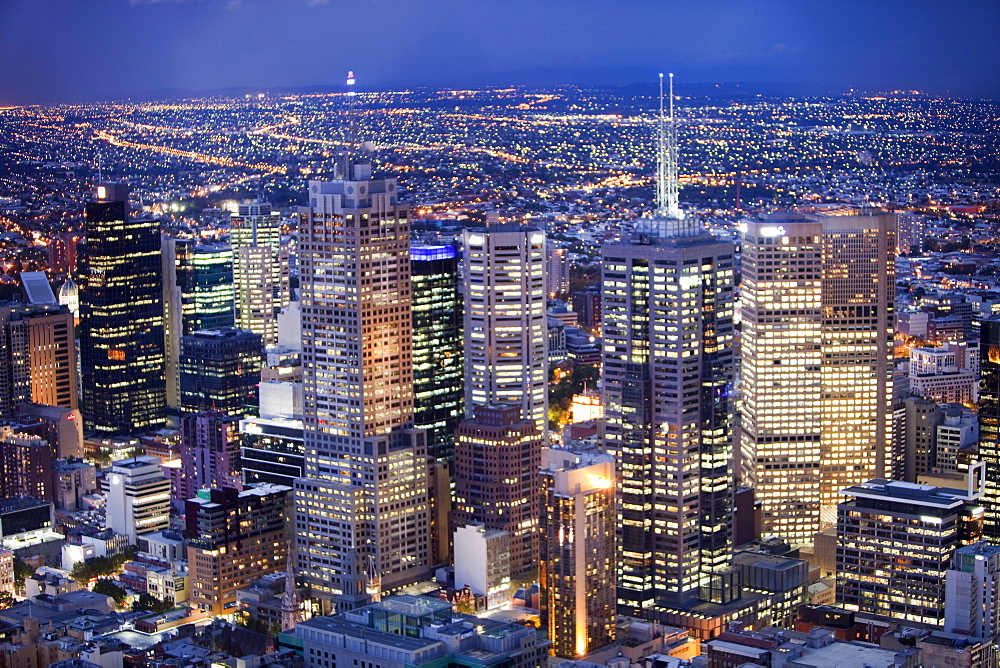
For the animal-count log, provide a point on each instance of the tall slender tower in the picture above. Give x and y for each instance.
(989, 424)
(363, 505)
(121, 317)
(668, 377)
(260, 270)
(506, 332)
(818, 313)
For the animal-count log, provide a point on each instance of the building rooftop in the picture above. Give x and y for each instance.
(840, 654)
(895, 490)
(412, 606)
(354, 629)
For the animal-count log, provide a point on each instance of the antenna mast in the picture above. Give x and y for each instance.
(351, 130)
(673, 206)
(661, 160)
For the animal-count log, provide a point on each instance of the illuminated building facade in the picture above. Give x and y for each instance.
(667, 392)
(220, 371)
(817, 306)
(895, 544)
(506, 330)
(197, 294)
(121, 317)
(438, 363)
(989, 422)
(233, 538)
(557, 271)
(577, 551)
(497, 455)
(37, 357)
(138, 497)
(260, 269)
(362, 512)
(210, 452)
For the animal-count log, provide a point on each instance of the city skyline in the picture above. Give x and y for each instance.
(200, 45)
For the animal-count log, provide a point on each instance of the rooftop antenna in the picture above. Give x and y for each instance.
(669, 204)
(100, 168)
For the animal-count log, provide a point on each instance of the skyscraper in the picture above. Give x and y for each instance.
(505, 327)
(438, 362)
(197, 294)
(210, 452)
(989, 423)
(260, 269)
(668, 378)
(577, 551)
(121, 317)
(497, 455)
(220, 371)
(37, 356)
(818, 311)
(362, 511)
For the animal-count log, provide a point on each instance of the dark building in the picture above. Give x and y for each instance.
(497, 456)
(220, 370)
(272, 451)
(587, 305)
(989, 423)
(438, 374)
(121, 317)
(210, 452)
(25, 466)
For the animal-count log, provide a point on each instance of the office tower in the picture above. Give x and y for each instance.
(272, 449)
(362, 510)
(438, 363)
(121, 317)
(914, 425)
(260, 269)
(989, 422)
(482, 563)
(234, 537)
(557, 271)
(505, 325)
(895, 542)
(138, 497)
(25, 465)
(577, 551)
(972, 592)
(37, 356)
(73, 479)
(210, 452)
(220, 371)
(587, 306)
(197, 294)
(668, 366)
(817, 309)
(497, 455)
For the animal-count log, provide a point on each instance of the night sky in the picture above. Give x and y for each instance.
(77, 50)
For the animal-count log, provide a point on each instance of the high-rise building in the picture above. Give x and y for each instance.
(505, 326)
(895, 543)
(438, 362)
(557, 271)
(989, 422)
(260, 269)
(497, 455)
(482, 563)
(121, 317)
(220, 371)
(197, 294)
(37, 356)
(63, 252)
(817, 308)
(234, 537)
(138, 497)
(25, 466)
(210, 452)
(972, 592)
(577, 551)
(667, 391)
(362, 512)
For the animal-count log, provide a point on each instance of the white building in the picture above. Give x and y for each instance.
(260, 269)
(506, 330)
(482, 563)
(972, 592)
(138, 497)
